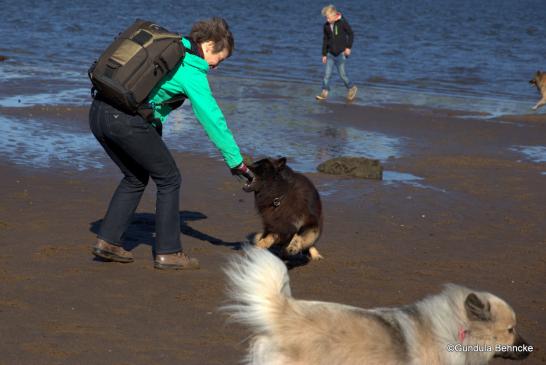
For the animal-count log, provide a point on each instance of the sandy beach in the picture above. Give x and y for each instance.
(476, 218)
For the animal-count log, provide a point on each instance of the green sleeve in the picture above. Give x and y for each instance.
(212, 119)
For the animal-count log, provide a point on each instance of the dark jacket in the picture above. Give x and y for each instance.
(335, 42)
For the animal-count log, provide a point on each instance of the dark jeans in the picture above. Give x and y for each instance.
(138, 150)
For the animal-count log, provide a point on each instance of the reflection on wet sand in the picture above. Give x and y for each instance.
(38, 144)
(268, 118)
(534, 153)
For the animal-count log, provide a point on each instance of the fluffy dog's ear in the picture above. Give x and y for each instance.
(476, 309)
(280, 163)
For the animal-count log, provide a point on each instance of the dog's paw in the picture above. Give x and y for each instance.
(256, 238)
(292, 250)
(266, 241)
(315, 255)
(295, 245)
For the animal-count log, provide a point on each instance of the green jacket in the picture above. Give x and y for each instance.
(190, 78)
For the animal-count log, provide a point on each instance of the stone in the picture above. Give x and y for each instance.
(360, 167)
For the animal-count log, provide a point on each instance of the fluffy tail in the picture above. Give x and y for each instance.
(258, 286)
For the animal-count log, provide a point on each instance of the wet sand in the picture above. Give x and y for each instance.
(478, 219)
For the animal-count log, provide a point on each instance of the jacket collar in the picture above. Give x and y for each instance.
(194, 58)
(337, 21)
(196, 50)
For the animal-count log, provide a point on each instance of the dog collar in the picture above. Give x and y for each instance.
(462, 334)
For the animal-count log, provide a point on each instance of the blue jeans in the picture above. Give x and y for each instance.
(339, 62)
(137, 149)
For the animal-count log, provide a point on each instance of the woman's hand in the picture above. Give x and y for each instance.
(243, 171)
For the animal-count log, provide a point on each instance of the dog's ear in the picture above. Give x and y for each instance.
(539, 72)
(280, 163)
(476, 309)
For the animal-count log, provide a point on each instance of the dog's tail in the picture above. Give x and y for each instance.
(258, 286)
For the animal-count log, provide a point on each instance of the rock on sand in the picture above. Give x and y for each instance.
(360, 167)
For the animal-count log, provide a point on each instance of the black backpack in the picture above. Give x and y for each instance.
(133, 64)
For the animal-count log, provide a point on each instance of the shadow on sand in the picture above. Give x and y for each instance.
(142, 231)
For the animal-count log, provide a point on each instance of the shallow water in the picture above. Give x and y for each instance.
(460, 54)
(306, 144)
(475, 57)
(535, 154)
(489, 107)
(43, 145)
(395, 177)
(66, 97)
(281, 122)
(47, 145)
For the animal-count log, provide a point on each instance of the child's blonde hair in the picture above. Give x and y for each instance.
(328, 9)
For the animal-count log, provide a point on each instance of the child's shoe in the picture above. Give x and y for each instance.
(323, 95)
(351, 94)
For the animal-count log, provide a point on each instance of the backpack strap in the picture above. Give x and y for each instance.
(147, 110)
(176, 101)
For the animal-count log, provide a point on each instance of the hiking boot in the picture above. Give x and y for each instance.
(323, 95)
(175, 261)
(110, 252)
(351, 93)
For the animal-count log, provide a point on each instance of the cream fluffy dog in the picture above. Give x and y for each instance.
(288, 331)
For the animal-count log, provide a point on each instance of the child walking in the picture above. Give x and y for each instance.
(336, 47)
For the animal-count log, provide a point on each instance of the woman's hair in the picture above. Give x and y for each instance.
(215, 29)
(328, 9)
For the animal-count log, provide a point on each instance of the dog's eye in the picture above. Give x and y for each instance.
(511, 330)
